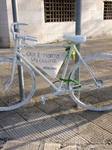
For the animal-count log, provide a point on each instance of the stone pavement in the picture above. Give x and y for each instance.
(58, 125)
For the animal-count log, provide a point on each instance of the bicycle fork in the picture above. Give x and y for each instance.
(11, 76)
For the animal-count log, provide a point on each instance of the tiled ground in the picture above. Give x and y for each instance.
(58, 124)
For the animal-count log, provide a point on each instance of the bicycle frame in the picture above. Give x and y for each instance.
(59, 88)
(17, 37)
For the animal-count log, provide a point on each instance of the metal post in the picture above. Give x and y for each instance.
(78, 16)
(78, 24)
(78, 32)
(20, 70)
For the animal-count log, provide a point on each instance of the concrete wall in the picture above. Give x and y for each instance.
(4, 24)
(33, 12)
(92, 19)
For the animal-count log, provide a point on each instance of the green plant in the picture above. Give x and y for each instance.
(67, 48)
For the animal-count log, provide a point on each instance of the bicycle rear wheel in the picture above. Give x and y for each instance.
(10, 98)
(86, 93)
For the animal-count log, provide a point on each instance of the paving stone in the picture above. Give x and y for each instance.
(75, 147)
(73, 121)
(77, 140)
(65, 111)
(3, 134)
(60, 112)
(49, 107)
(95, 134)
(26, 131)
(21, 145)
(90, 115)
(34, 118)
(3, 137)
(110, 113)
(98, 147)
(105, 121)
(59, 134)
(65, 100)
(1, 144)
(26, 110)
(45, 124)
(12, 121)
(32, 115)
(6, 114)
(52, 146)
(61, 100)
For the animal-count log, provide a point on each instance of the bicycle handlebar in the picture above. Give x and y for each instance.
(22, 23)
(17, 23)
(15, 34)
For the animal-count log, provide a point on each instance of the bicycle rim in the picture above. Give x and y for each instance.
(10, 98)
(87, 94)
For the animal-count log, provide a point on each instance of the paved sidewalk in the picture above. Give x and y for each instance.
(57, 125)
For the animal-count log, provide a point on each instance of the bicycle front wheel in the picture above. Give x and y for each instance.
(10, 98)
(85, 92)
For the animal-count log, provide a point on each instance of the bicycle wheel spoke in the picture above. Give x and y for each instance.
(92, 96)
(11, 97)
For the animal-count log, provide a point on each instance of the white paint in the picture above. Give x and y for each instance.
(49, 61)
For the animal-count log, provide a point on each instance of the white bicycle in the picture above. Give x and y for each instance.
(93, 91)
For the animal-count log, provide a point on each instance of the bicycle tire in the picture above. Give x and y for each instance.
(86, 94)
(10, 98)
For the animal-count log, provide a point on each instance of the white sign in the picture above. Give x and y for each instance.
(49, 61)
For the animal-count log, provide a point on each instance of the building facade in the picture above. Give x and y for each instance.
(49, 20)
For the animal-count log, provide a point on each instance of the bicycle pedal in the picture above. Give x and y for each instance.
(42, 100)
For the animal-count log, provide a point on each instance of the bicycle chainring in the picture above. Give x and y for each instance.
(57, 83)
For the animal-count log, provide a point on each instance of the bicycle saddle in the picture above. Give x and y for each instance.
(75, 38)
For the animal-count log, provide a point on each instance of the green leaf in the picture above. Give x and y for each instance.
(67, 48)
